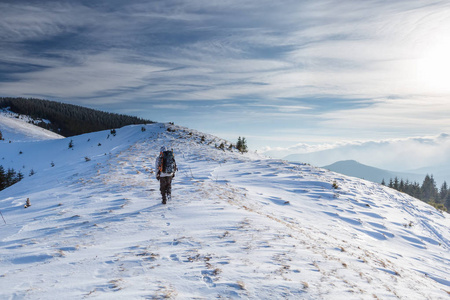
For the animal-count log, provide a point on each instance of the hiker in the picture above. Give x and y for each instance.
(166, 166)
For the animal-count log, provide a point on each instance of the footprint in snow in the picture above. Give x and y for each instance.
(207, 279)
(278, 201)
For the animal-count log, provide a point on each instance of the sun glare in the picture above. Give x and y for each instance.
(433, 69)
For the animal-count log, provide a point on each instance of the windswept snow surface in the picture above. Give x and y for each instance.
(238, 226)
(18, 129)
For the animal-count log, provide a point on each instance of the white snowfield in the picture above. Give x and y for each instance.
(238, 226)
(17, 128)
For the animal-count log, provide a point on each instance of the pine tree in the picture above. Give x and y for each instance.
(242, 145)
(2, 178)
(396, 183)
(415, 190)
(443, 193)
(428, 190)
(447, 201)
(19, 177)
(10, 176)
(407, 187)
(401, 186)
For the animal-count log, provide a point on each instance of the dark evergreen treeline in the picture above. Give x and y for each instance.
(427, 192)
(68, 119)
(9, 177)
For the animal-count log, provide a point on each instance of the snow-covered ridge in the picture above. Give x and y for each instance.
(20, 128)
(239, 226)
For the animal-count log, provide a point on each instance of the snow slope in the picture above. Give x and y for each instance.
(238, 226)
(18, 128)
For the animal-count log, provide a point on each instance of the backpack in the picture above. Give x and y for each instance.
(168, 162)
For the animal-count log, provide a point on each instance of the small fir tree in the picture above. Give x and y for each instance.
(242, 145)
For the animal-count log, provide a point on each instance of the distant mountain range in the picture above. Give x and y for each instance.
(356, 169)
(410, 158)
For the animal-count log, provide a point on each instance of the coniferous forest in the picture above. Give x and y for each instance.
(67, 119)
(9, 177)
(427, 192)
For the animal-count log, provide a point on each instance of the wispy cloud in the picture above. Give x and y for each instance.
(315, 68)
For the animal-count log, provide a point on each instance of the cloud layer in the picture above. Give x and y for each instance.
(430, 154)
(277, 72)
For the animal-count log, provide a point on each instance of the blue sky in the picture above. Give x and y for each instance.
(279, 73)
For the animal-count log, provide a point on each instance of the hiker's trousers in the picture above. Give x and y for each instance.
(165, 187)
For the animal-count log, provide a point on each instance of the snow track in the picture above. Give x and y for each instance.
(239, 226)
